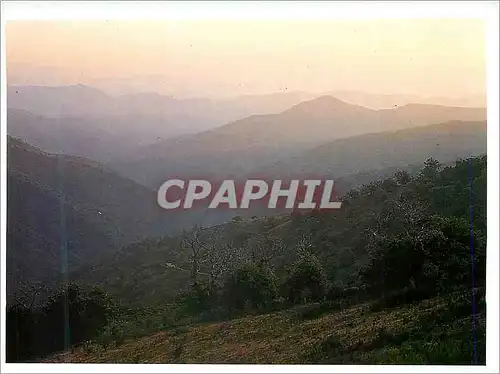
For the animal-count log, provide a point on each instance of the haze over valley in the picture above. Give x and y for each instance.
(111, 177)
(100, 114)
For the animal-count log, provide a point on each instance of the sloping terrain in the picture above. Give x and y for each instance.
(63, 203)
(138, 274)
(386, 279)
(364, 153)
(311, 334)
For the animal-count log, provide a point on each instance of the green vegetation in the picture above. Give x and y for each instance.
(435, 331)
(68, 317)
(386, 279)
(250, 286)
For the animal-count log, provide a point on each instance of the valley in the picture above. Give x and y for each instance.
(83, 210)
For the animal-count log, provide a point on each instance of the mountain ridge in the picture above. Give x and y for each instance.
(257, 140)
(56, 196)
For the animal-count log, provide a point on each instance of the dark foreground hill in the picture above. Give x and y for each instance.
(63, 208)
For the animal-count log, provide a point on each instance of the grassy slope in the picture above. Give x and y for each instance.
(433, 331)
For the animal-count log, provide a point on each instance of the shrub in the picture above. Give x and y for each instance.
(70, 316)
(250, 286)
(306, 280)
(198, 298)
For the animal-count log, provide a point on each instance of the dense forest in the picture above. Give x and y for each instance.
(391, 277)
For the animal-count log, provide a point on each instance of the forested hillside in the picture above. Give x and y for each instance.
(341, 240)
(394, 243)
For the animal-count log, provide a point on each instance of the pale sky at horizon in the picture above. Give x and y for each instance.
(222, 58)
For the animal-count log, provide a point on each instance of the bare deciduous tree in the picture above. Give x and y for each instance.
(264, 248)
(210, 251)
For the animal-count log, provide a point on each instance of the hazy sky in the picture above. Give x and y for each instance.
(224, 58)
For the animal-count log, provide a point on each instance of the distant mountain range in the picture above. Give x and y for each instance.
(147, 117)
(251, 144)
(30, 75)
(85, 101)
(90, 123)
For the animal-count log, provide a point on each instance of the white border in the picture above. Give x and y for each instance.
(272, 11)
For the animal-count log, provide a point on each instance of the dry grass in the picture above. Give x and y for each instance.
(277, 338)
